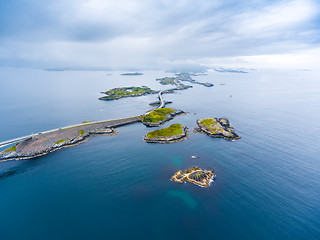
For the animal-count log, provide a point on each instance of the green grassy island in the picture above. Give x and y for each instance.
(194, 175)
(167, 81)
(159, 116)
(117, 93)
(217, 127)
(175, 133)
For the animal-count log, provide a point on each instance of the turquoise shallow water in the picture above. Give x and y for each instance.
(267, 184)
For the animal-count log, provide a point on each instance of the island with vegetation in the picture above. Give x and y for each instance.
(159, 116)
(194, 175)
(175, 133)
(182, 77)
(167, 81)
(187, 77)
(117, 93)
(217, 127)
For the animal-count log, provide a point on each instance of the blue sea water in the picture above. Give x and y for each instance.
(118, 187)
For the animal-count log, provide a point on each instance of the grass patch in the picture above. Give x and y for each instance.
(11, 149)
(158, 115)
(61, 141)
(212, 125)
(81, 133)
(87, 121)
(174, 129)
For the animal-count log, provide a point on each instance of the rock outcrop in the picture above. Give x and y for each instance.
(217, 127)
(194, 175)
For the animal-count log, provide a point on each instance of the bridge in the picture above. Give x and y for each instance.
(113, 123)
(109, 123)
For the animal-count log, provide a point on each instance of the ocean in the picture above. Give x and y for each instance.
(118, 187)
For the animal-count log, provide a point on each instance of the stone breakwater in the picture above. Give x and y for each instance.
(168, 139)
(43, 144)
(169, 117)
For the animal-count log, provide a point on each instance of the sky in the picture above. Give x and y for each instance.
(139, 34)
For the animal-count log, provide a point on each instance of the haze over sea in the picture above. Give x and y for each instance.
(118, 187)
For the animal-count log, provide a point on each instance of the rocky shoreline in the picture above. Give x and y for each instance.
(218, 128)
(194, 175)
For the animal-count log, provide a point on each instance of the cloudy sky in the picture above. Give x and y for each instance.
(142, 33)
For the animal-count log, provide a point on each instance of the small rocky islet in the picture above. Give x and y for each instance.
(175, 133)
(194, 175)
(217, 128)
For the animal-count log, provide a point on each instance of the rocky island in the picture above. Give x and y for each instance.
(117, 93)
(194, 175)
(181, 77)
(167, 81)
(187, 77)
(174, 133)
(217, 127)
(159, 116)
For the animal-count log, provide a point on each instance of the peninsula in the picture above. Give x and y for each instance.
(117, 93)
(194, 175)
(217, 127)
(174, 133)
(159, 116)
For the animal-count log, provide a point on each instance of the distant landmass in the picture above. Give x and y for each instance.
(232, 70)
(132, 74)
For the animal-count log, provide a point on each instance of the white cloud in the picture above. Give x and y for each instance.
(282, 16)
(97, 33)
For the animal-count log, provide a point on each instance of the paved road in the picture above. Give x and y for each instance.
(161, 100)
(112, 123)
(8, 142)
(163, 103)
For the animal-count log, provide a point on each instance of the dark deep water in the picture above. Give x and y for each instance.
(118, 187)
